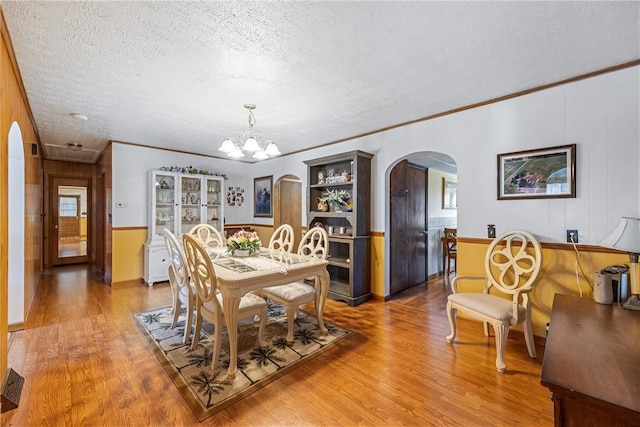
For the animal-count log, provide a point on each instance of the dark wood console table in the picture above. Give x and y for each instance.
(592, 363)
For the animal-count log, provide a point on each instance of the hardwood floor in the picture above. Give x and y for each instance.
(85, 364)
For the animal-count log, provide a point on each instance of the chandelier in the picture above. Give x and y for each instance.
(249, 142)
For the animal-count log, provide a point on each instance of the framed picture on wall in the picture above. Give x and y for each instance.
(537, 174)
(262, 201)
(449, 193)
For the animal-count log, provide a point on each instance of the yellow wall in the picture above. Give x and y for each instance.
(377, 266)
(128, 254)
(128, 251)
(556, 277)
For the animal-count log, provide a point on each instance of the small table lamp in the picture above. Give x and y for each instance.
(626, 237)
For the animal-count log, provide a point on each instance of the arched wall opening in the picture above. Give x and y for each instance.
(16, 186)
(437, 215)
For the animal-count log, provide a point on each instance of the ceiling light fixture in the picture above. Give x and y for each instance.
(249, 142)
(74, 146)
(79, 116)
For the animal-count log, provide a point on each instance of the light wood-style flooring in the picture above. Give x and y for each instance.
(85, 364)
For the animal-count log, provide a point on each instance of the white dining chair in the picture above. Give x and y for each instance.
(209, 302)
(282, 239)
(292, 295)
(208, 235)
(512, 270)
(183, 292)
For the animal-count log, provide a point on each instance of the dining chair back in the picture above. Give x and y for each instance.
(512, 265)
(209, 301)
(451, 248)
(313, 244)
(282, 239)
(183, 292)
(208, 235)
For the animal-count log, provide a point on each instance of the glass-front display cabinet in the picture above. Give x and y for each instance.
(178, 202)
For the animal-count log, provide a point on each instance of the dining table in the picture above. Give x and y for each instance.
(238, 275)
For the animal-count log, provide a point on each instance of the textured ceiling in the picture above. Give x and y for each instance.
(177, 74)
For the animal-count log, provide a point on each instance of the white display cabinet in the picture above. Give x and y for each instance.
(178, 202)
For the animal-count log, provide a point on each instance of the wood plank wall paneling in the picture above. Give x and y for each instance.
(104, 231)
(14, 107)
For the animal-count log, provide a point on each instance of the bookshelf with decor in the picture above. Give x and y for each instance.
(178, 201)
(339, 199)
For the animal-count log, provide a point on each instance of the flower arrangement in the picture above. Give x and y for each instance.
(338, 197)
(244, 241)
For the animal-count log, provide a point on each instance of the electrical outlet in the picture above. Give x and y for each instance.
(574, 234)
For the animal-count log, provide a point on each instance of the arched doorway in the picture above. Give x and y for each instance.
(16, 189)
(415, 218)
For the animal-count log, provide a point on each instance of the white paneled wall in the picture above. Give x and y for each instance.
(600, 115)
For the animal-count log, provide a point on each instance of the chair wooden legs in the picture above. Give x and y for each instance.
(291, 318)
(217, 344)
(451, 314)
(187, 323)
(261, 326)
(528, 338)
(175, 309)
(196, 332)
(502, 332)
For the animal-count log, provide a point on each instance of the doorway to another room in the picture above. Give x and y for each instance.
(421, 202)
(70, 221)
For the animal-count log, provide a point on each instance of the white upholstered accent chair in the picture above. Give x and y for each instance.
(208, 235)
(182, 289)
(511, 270)
(315, 244)
(209, 302)
(282, 239)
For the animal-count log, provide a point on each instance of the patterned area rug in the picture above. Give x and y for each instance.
(207, 391)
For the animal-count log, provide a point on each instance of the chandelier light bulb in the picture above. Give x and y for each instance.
(236, 153)
(260, 155)
(251, 145)
(272, 149)
(227, 146)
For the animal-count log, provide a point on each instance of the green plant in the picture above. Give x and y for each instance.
(339, 197)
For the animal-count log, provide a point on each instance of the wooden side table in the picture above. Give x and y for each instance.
(592, 363)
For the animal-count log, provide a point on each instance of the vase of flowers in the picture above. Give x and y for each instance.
(243, 243)
(338, 199)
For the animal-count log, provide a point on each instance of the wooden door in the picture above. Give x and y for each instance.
(287, 205)
(67, 244)
(408, 227)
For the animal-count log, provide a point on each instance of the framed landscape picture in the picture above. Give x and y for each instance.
(262, 202)
(536, 174)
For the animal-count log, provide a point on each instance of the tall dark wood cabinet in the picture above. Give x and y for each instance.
(349, 227)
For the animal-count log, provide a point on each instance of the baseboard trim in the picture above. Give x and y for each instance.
(127, 283)
(15, 327)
